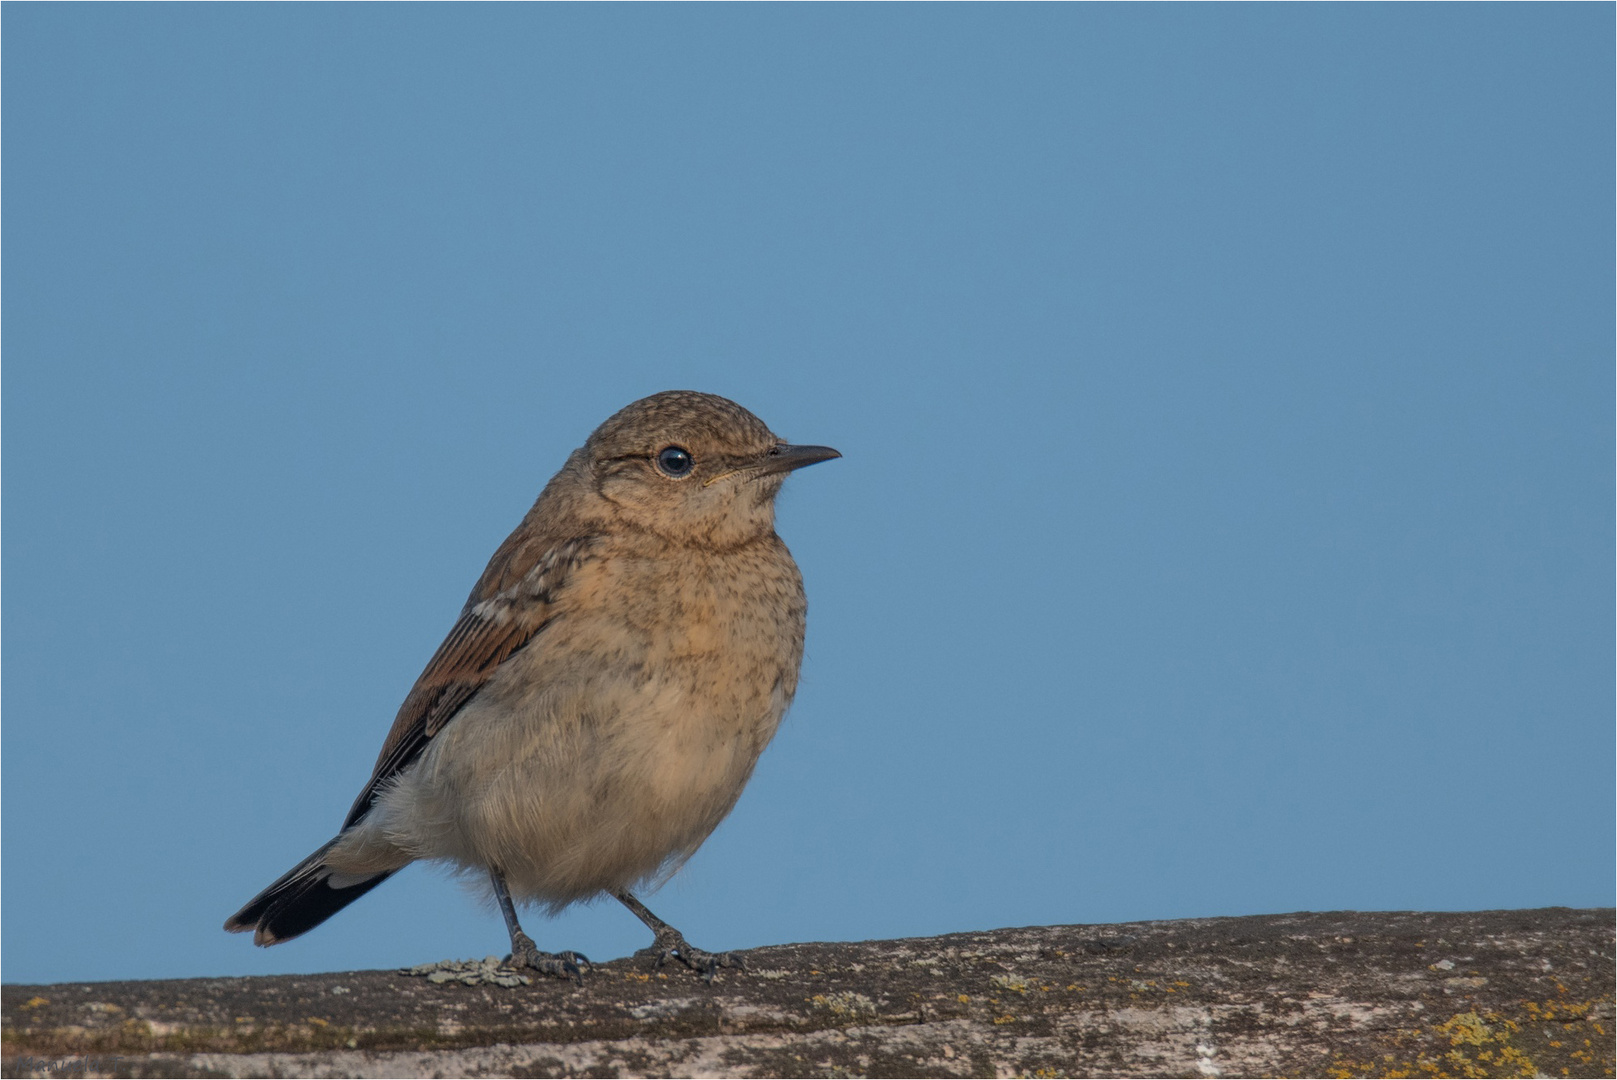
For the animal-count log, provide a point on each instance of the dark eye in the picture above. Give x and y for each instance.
(675, 461)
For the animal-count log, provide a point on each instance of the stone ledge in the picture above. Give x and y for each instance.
(1497, 993)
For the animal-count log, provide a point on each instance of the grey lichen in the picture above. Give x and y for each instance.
(489, 971)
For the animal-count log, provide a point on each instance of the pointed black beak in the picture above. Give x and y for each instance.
(784, 458)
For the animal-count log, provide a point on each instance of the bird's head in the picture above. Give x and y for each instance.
(693, 468)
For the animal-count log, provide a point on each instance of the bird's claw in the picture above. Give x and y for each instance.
(563, 965)
(672, 944)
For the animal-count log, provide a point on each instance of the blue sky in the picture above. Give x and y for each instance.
(1225, 524)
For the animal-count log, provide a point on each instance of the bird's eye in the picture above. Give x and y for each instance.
(675, 461)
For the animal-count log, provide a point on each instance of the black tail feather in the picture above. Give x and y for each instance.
(299, 900)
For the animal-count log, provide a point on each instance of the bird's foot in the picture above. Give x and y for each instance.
(563, 965)
(671, 943)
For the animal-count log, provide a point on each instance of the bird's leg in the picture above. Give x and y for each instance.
(671, 942)
(567, 965)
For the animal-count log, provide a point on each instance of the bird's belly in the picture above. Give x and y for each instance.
(572, 786)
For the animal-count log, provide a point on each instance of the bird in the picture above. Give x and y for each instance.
(603, 696)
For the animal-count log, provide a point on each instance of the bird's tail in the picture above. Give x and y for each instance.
(301, 899)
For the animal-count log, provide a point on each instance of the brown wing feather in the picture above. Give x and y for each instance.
(511, 604)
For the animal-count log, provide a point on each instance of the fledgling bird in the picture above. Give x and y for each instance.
(601, 701)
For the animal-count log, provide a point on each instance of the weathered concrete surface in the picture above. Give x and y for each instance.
(1500, 993)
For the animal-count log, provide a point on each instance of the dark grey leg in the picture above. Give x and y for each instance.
(671, 942)
(567, 965)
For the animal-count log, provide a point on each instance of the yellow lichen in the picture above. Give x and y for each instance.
(845, 1005)
(1465, 1028)
(1010, 982)
(1478, 1046)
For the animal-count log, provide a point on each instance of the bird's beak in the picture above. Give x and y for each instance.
(784, 458)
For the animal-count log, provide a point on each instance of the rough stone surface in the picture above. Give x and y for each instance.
(1498, 993)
